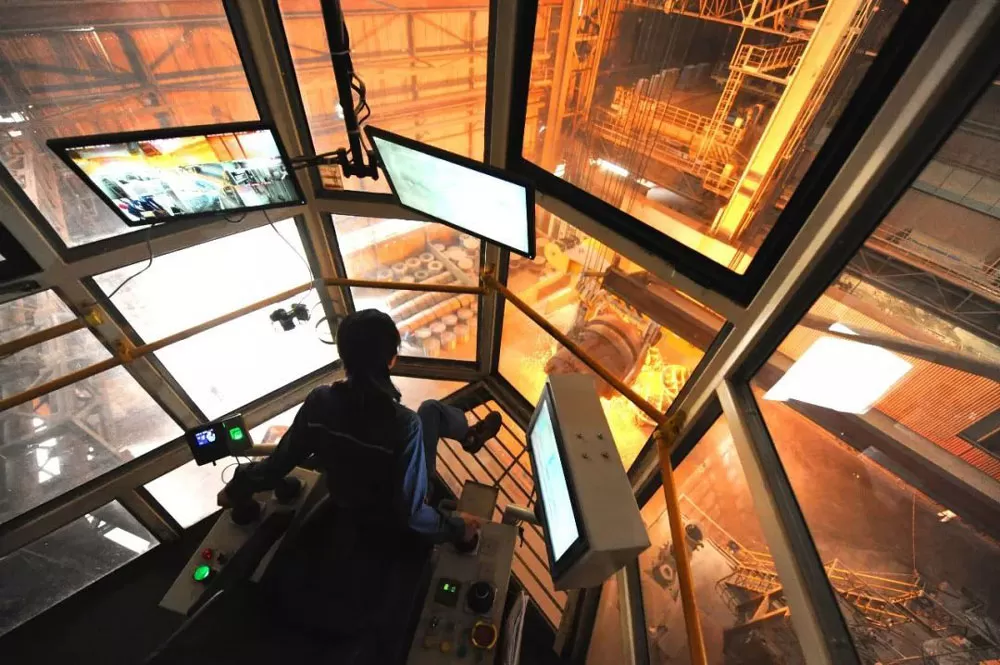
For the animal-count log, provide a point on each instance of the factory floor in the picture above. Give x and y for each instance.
(860, 515)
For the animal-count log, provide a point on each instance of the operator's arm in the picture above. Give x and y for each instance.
(411, 488)
(293, 449)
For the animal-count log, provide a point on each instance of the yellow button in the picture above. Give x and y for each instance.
(445, 646)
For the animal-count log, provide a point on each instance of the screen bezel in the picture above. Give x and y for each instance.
(581, 545)
(60, 146)
(464, 162)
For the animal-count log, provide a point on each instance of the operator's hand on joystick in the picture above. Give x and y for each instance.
(473, 524)
(222, 498)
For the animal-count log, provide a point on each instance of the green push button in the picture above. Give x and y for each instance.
(202, 573)
(236, 433)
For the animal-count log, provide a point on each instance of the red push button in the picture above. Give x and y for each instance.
(207, 554)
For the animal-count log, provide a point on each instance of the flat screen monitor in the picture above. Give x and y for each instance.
(561, 516)
(483, 201)
(173, 174)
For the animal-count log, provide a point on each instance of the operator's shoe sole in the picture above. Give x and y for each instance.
(481, 432)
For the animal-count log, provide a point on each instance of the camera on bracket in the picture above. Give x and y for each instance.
(288, 317)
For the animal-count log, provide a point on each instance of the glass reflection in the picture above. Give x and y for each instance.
(56, 566)
(24, 316)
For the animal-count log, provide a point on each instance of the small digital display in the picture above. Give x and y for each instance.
(215, 440)
(168, 175)
(447, 592)
(205, 437)
(560, 521)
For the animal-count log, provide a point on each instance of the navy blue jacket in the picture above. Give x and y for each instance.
(372, 454)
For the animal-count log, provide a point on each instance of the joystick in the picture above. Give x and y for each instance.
(467, 546)
(480, 597)
(288, 489)
(246, 512)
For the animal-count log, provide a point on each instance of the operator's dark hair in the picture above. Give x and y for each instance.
(368, 340)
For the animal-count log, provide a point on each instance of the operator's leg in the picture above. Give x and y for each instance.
(440, 420)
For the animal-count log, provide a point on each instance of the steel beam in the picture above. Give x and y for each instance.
(819, 626)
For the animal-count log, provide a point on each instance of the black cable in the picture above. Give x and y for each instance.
(237, 220)
(149, 263)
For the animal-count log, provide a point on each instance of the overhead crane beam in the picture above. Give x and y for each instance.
(790, 18)
(822, 57)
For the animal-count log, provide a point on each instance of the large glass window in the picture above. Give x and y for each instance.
(114, 67)
(698, 119)
(424, 68)
(22, 317)
(56, 566)
(435, 325)
(230, 365)
(881, 403)
(741, 603)
(57, 441)
(646, 333)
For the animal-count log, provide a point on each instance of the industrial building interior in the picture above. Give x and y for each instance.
(778, 220)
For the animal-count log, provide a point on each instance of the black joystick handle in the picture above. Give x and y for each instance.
(246, 512)
(287, 489)
(480, 597)
(467, 546)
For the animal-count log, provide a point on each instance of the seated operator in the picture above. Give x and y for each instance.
(378, 455)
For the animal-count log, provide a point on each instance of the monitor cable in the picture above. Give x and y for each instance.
(149, 263)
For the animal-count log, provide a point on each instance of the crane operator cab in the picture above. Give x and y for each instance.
(458, 612)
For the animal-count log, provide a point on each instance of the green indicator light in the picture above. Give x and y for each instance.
(201, 573)
(235, 433)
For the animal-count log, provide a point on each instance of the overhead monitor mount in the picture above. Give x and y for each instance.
(355, 160)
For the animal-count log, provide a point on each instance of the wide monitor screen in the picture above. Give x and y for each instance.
(480, 200)
(550, 474)
(166, 175)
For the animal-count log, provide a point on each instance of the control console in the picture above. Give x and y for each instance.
(463, 610)
(297, 492)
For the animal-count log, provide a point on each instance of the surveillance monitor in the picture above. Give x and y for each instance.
(167, 175)
(590, 518)
(483, 201)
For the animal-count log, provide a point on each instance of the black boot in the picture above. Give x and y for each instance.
(481, 432)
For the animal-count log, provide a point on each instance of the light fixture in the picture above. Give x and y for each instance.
(611, 167)
(840, 374)
(128, 540)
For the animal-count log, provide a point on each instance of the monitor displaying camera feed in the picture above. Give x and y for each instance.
(480, 200)
(550, 473)
(166, 175)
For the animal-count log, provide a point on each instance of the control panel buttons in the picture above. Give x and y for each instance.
(446, 647)
(208, 554)
(484, 635)
(480, 597)
(202, 573)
